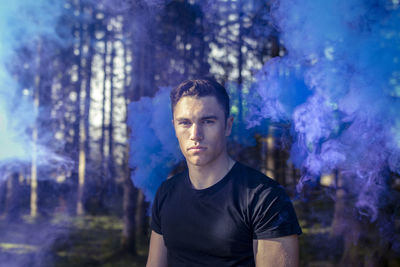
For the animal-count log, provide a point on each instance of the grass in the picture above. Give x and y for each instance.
(67, 242)
(87, 241)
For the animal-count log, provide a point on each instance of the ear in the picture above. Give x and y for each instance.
(228, 126)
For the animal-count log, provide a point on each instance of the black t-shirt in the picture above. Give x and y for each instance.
(216, 226)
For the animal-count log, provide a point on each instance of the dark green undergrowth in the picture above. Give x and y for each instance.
(95, 241)
(67, 242)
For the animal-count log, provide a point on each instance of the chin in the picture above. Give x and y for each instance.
(198, 162)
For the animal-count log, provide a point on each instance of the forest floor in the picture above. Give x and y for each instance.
(95, 241)
(91, 241)
(65, 242)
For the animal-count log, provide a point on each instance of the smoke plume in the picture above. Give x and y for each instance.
(153, 145)
(22, 23)
(339, 86)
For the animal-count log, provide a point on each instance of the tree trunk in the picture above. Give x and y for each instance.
(270, 153)
(84, 148)
(111, 163)
(365, 242)
(12, 207)
(77, 147)
(342, 208)
(240, 64)
(141, 217)
(34, 183)
(128, 240)
(103, 157)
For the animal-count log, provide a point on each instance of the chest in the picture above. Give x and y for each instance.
(207, 223)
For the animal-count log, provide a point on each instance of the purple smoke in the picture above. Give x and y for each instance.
(347, 55)
(338, 86)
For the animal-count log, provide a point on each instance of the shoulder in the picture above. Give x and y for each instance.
(269, 210)
(259, 188)
(170, 184)
(253, 179)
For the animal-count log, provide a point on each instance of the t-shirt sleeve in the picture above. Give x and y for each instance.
(273, 214)
(155, 213)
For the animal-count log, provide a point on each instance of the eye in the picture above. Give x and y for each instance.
(184, 123)
(209, 121)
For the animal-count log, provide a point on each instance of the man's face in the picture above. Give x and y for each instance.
(201, 129)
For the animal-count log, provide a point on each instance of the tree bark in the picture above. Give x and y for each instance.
(128, 240)
(365, 242)
(270, 153)
(111, 162)
(78, 157)
(84, 148)
(240, 63)
(103, 163)
(12, 207)
(141, 217)
(36, 103)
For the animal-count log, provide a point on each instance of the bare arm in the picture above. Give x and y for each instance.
(157, 251)
(277, 252)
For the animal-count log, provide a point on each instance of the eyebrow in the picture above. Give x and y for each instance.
(211, 117)
(208, 117)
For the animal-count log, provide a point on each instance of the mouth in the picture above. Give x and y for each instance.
(197, 148)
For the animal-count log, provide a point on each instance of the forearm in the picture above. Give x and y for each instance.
(157, 251)
(277, 252)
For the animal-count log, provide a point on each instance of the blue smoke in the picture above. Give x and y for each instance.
(339, 86)
(22, 23)
(25, 23)
(154, 149)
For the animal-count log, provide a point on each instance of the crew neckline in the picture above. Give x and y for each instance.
(215, 186)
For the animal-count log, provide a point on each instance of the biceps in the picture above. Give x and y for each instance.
(279, 252)
(157, 251)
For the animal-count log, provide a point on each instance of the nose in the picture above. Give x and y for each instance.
(196, 133)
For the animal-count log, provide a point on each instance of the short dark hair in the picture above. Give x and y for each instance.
(200, 88)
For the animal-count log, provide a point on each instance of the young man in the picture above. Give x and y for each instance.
(218, 212)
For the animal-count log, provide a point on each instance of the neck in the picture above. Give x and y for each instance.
(208, 175)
